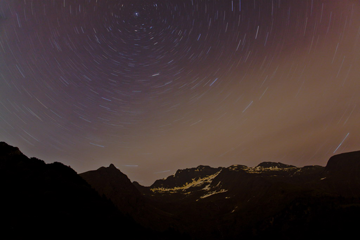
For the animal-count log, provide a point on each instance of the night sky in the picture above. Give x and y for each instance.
(155, 86)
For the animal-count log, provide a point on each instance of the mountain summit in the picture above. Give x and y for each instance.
(51, 201)
(112, 183)
(270, 200)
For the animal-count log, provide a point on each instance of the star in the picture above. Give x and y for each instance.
(177, 84)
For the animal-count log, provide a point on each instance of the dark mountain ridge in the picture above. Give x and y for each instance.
(268, 200)
(112, 183)
(51, 201)
(225, 203)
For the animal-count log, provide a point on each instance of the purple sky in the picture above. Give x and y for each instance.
(155, 86)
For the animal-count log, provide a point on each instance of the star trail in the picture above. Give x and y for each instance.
(155, 86)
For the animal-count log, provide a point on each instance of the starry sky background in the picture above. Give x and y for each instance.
(158, 85)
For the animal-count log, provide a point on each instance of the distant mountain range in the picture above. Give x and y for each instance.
(271, 200)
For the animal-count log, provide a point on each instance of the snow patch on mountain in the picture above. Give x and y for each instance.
(260, 169)
(207, 187)
(263, 167)
(213, 193)
(195, 183)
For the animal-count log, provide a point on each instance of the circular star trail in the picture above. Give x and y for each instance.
(154, 86)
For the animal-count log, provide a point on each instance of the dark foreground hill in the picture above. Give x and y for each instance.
(51, 201)
(269, 200)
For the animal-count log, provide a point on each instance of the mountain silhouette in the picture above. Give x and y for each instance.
(51, 201)
(114, 185)
(270, 200)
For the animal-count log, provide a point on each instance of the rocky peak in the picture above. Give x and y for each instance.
(107, 180)
(6, 149)
(184, 176)
(344, 162)
(274, 165)
(112, 167)
(238, 167)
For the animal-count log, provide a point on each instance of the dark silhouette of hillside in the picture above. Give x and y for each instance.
(112, 183)
(51, 201)
(271, 200)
